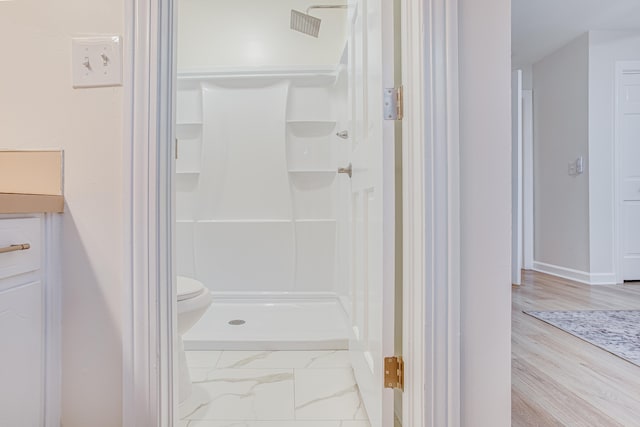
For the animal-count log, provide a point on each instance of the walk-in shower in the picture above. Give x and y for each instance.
(261, 220)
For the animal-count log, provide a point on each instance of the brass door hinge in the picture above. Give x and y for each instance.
(393, 103)
(394, 372)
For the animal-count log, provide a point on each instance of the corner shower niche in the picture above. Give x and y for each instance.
(257, 181)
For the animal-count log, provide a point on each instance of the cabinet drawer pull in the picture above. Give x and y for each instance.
(14, 248)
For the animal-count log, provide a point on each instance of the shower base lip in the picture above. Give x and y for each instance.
(271, 324)
(268, 345)
(271, 297)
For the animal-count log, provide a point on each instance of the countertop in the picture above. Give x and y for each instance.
(30, 203)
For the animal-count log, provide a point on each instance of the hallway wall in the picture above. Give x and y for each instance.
(561, 114)
(485, 212)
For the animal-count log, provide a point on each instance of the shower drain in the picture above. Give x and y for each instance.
(237, 322)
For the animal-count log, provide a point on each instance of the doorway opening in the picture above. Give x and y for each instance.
(283, 228)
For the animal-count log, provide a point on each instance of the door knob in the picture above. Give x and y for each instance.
(348, 170)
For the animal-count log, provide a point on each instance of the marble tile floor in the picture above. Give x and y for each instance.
(272, 389)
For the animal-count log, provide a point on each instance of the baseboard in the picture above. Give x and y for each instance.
(603, 279)
(575, 275)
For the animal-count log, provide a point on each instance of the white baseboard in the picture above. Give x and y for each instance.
(603, 279)
(575, 275)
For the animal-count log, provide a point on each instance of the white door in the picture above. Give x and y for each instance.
(628, 125)
(370, 67)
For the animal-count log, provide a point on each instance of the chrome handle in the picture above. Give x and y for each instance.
(14, 248)
(348, 170)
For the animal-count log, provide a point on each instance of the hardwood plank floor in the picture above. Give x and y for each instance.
(559, 379)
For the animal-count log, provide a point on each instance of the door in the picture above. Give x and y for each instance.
(370, 70)
(628, 127)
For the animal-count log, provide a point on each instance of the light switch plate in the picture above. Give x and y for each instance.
(96, 61)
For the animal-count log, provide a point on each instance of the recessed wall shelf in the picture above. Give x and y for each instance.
(316, 171)
(311, 128)
(312, 179)
(188, 130)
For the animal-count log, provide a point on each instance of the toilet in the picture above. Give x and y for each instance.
(193, 300)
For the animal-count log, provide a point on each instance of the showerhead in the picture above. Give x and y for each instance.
(307, 24)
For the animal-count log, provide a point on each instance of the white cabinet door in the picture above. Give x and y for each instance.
(21, 372)
(372, 205)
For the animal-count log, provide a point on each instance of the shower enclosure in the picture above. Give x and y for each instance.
(257, 191)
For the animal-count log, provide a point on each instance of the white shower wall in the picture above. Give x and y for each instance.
(256, 182)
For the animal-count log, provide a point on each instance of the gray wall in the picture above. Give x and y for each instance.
(485, 212)
(561, 202)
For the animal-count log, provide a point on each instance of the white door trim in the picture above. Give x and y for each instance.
(149, 300)
(516, 177)
(527, 180)
(431, 231)
(431, 215)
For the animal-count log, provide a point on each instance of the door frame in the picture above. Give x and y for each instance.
(621, 67)
(516, 177)
(431, 231)
(527, 180)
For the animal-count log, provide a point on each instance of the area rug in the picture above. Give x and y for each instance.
(616, 331)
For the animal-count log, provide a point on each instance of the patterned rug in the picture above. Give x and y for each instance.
(616, 331)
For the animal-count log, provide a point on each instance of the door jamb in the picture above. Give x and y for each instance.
(431, 225)
(431, 214)
(149, 307)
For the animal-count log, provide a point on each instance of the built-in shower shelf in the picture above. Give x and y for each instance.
(188, 130)
(312, 179)
(181, 172)
(311, 128)
(326, 220)
(311, 171)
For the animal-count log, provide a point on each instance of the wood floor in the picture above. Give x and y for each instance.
(558, 379)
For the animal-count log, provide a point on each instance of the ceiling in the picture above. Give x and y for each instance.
(540, 27)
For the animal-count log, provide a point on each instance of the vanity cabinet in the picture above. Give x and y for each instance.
(29, 363)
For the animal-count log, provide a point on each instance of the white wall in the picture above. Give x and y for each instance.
(255, 33)
(605, 48)
(286, 204)
(39, 109)
(485, 212)
(560, 98)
